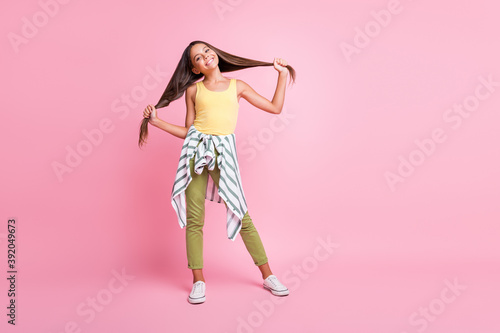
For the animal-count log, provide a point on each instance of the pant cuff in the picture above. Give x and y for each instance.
(195, 267)
(259, 263)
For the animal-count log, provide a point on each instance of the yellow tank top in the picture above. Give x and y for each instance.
(216, 111)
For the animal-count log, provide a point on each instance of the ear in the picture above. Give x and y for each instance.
(195, 70)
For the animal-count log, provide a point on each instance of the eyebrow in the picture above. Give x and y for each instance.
(194, 57)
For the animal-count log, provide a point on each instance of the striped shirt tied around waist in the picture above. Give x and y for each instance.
(230, 190)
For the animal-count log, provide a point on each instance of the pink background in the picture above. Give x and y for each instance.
(319, 172)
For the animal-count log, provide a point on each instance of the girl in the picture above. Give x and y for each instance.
(210, 149)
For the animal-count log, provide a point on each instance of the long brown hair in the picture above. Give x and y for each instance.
(183, 77)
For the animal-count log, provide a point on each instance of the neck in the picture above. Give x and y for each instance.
(214, 75)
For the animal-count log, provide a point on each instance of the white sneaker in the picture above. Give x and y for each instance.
(272, 284)
(197, 294)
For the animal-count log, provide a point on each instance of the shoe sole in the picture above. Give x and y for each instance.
(277, 293)
(196, 300)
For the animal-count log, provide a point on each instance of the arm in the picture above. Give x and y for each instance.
(178, 131)
(276, 105)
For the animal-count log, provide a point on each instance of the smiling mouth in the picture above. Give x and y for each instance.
(210, 61)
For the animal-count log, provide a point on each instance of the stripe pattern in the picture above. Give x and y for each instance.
(230, 190)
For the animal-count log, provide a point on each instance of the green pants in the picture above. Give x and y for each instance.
(195, 216)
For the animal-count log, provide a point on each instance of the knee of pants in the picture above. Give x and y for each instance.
(194, 225)
(246, 223)
(195, 205)
(195, 215)
(195, 209)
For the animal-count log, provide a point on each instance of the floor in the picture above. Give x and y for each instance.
(328, 294)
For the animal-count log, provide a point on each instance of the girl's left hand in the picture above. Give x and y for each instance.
(280, 65)
(150, 112)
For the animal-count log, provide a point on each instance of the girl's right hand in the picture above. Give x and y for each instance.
(150, 112)
(280, 65)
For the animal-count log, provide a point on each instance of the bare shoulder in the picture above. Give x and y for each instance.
(241, 87)
(191, 91)
(240, 84)
(192, 88)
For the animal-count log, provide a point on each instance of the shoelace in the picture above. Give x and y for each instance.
(275, 281)
(196, 287)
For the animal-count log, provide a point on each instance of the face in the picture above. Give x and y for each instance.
(203, 58)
